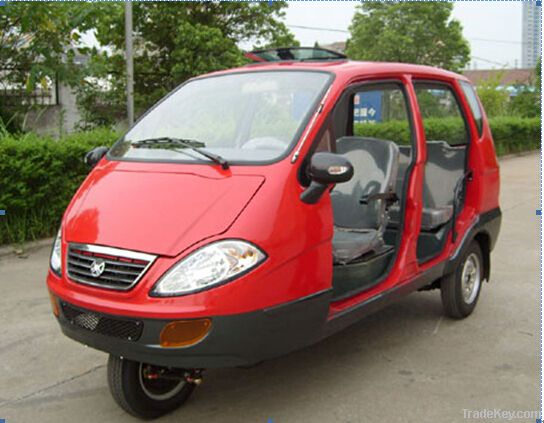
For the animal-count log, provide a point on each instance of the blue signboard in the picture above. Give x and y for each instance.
(367, 106)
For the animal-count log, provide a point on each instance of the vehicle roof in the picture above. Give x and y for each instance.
(349, 69)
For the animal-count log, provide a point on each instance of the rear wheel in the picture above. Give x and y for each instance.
(146, 391)
(461, 289)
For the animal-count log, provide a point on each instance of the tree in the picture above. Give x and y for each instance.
(538, 72)
(36, 40)
(173, 42)
(409, 32)
(38, 43)
(526, 102)
(493, 97)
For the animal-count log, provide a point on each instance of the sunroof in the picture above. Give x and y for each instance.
(294, 54)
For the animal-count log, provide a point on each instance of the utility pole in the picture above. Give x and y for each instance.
(130, 62)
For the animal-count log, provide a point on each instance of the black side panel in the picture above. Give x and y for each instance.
(491, 224)
(488, 224)
(349, 279)
(372, 305)
(431, 244)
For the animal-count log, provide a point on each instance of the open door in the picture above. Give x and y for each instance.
(373, 130)
(447, 136)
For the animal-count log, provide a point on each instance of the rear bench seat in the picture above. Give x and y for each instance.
(444, 168)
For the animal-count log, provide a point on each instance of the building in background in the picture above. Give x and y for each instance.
(508, 77)
(532, 31)
(512, 81)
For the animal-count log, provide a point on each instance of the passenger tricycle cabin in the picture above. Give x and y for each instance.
(255, 211)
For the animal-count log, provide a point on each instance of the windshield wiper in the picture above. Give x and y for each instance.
(186, 143)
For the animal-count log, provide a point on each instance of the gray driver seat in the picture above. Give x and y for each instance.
(360, 220)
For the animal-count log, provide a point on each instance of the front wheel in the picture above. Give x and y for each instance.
(146, 391)
(461, 289)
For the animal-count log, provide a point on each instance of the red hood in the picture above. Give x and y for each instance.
(158, 213)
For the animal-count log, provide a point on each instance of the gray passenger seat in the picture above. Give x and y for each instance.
(443, 170)
(359, 227)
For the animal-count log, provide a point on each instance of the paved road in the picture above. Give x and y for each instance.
(404, 364)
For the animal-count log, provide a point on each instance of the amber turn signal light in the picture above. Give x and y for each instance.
(184, 333)
(54, 304)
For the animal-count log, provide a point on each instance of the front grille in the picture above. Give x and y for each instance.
(106, 267)
(129, 330)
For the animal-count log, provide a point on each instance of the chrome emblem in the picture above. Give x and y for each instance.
(97, 267)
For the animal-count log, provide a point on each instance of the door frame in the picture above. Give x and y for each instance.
(403, 264)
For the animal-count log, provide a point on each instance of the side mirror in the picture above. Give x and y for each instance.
(326, 169)
(95, 155)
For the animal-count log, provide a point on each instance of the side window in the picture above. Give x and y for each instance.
(325, 142)
(381, 112)
(472, 99)
(441, 114)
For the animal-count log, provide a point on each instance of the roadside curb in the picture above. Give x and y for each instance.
(516, 155)
(15, 250)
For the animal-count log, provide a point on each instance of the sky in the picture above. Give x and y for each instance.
(499, 21)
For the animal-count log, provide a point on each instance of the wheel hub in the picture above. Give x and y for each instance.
(161, 383)
(471, 278)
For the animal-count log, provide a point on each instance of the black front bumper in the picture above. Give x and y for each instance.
(233, 341)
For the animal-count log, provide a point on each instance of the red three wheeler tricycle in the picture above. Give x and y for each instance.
(256, 211)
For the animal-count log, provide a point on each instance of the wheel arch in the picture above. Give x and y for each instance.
(485, 232)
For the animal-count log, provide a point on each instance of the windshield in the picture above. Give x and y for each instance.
(239, 118)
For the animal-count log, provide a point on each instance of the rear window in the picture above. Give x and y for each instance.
(442, 117)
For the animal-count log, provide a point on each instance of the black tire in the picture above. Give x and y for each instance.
(125, 383)
(456, 300)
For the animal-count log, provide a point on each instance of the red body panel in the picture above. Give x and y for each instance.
(172, 209)
(148, 209)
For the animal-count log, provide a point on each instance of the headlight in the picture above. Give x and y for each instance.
(211, 265)
(56, 255)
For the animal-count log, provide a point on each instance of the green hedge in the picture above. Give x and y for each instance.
(38, 177)
(511, 134)
(515, 135)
